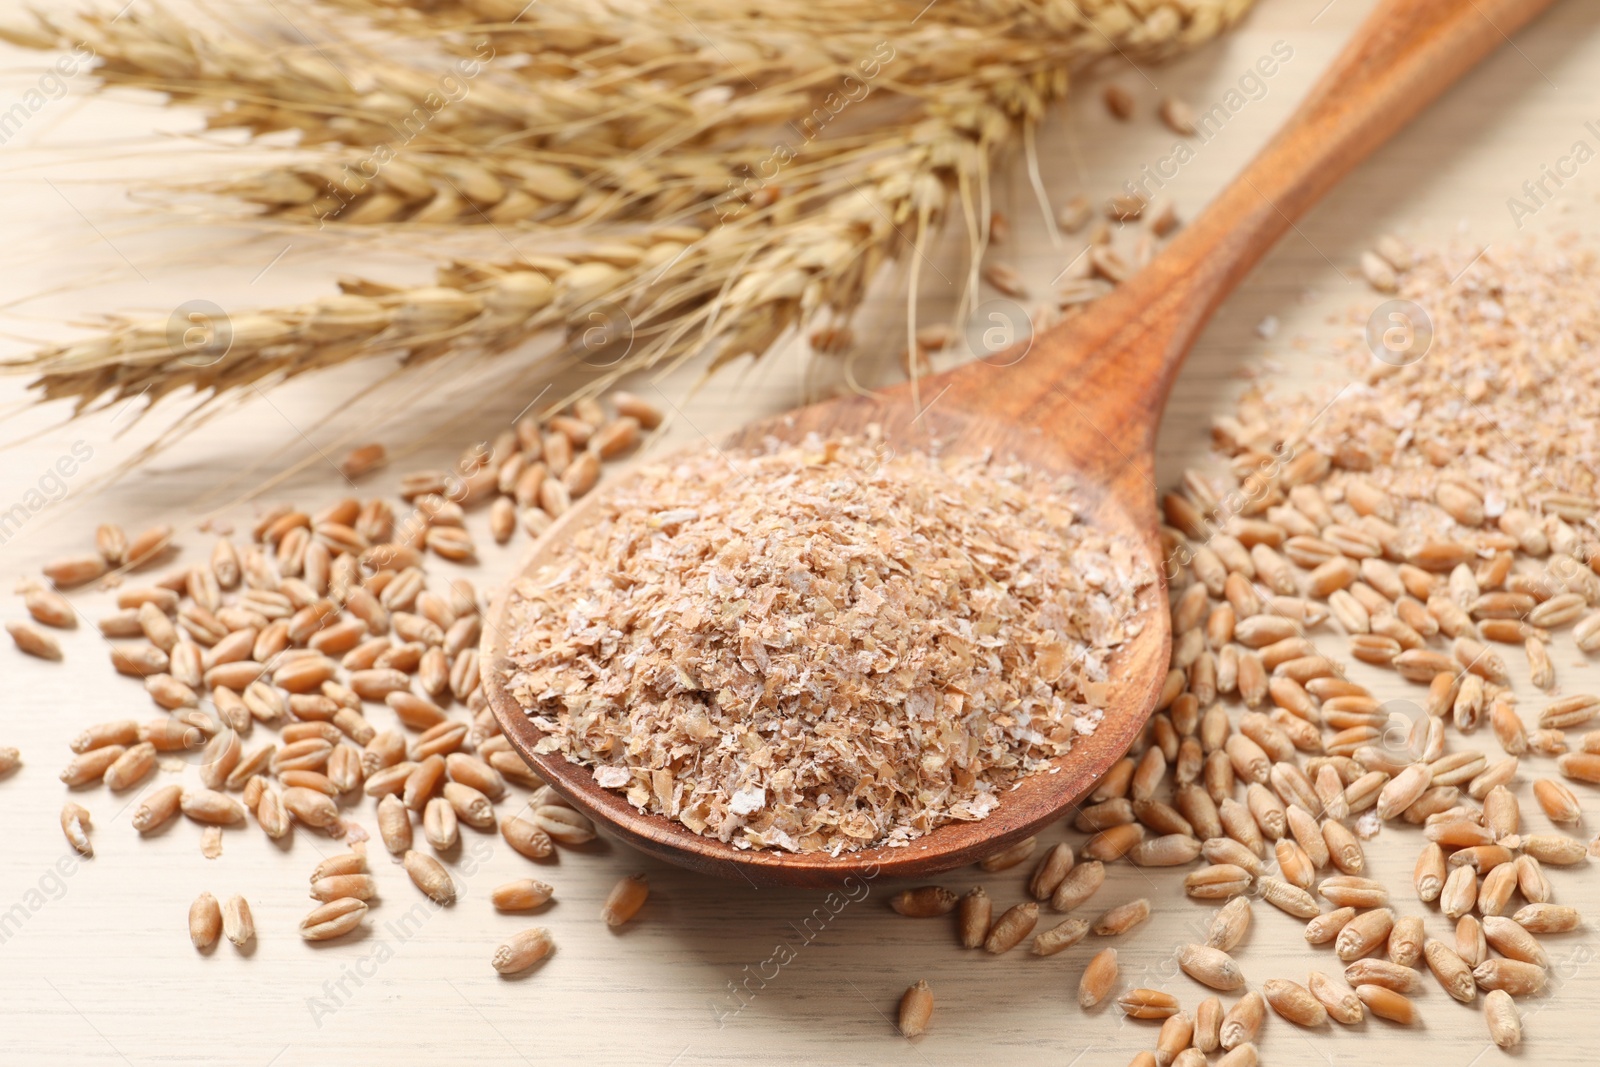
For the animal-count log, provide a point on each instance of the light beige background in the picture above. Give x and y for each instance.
(100, 969)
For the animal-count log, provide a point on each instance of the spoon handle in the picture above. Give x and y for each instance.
(1115, 364)
(1404, 55)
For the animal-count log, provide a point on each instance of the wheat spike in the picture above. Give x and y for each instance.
(709, 276)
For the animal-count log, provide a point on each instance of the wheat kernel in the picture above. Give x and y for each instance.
(625, 900)
(1098, 977)
(916, 1007)
(1505, 1024)
(205, 922)
(1294, 1002)
(522, 950)
(1242, 1022)
(1147, 1004)
(1012, 926)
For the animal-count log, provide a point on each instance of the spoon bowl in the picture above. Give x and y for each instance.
(1137, 670)
(1082, 399)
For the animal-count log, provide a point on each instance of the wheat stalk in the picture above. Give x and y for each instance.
(683, 290)
(579, 151)
(701, 288)
(572, 37)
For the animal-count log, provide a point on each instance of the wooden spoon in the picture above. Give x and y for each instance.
(1085, 397)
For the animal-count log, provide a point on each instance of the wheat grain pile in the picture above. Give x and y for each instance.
(1506, 399)
(822, 647)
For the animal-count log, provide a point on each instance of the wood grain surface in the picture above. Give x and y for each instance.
(95, 964)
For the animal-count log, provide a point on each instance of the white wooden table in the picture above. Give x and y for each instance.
(95, 964)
